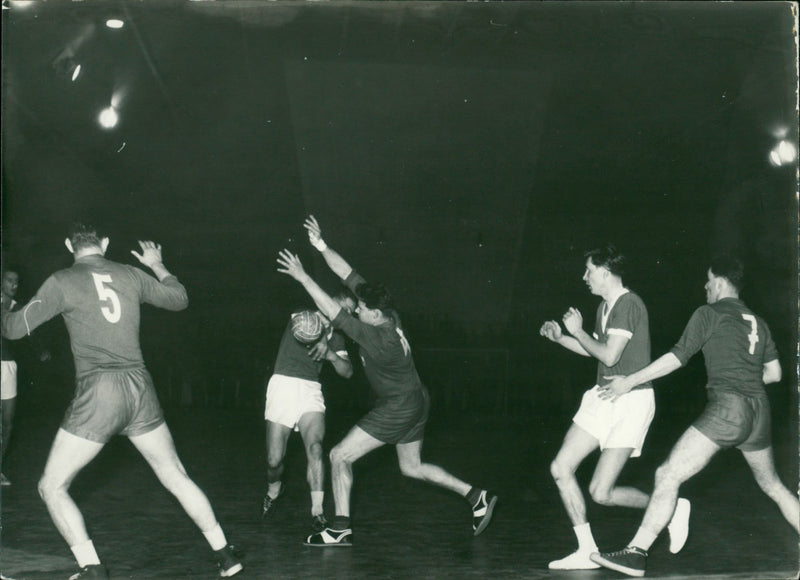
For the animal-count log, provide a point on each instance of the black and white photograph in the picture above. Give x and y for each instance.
(399, 289)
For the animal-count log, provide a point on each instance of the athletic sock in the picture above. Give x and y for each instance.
(273, 489)
(643, 539)
(216, 538)
(340, 523)
(317, 498)
(85, 554)
(586, 541)
(473, 495)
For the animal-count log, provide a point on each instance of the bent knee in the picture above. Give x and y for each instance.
(314, 451)
(601, 495)
(559, 470)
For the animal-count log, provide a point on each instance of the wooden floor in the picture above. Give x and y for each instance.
(402, 528)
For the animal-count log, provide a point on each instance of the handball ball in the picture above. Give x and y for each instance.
(307, 326)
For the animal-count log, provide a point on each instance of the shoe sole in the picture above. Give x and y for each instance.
(487, 518)
(232, 571)
(618, 567)
(333, 545)
(675, 548)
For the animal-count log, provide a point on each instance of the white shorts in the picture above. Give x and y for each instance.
(289, 398)
(8, 380)
(621, 424)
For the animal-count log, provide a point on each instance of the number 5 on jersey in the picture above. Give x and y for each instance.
(106, 294)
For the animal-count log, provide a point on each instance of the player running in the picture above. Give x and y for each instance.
(740, 358)
(621, 344)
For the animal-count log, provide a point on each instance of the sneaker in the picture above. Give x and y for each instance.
(578, 560)
(4, 481)
(91, 571)
(631, 561)
(318, 523)
(331, 538)
(678, 526)
(267, 502)
(482, 512)
(228, 562)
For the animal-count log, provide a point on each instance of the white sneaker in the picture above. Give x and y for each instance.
(679, 526)
(578, 560)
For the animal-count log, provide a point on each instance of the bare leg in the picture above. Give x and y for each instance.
(688, 457)
(577, 445)
(603, 488)
(68, 455)
(409, 458)
(158, 448)
(355, 445)
(312, 429)
(762, 465)
(277, 438)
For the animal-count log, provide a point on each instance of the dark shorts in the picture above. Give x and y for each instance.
(733, 420)
(111, 403)
(398, 419)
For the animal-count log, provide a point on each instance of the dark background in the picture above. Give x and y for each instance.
(466, 154)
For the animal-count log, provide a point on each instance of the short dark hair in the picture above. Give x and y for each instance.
(609, 258)
(729, 267)
(376, 296)
(83, 235)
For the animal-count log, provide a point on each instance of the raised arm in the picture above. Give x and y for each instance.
(169, 293)
(290, 264)
(607, 352)
(335, 262)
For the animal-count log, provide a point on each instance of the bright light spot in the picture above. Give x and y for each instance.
(784, 153)
(114, 23)
(108, 118)
(76, 72)
(787, 151)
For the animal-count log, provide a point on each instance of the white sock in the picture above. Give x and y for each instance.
(216, 538)
(273, 489)
(85, 554)
(643, 539)
(586, 541)
(316, 502)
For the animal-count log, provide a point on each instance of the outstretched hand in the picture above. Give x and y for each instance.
(314, 232)
(151, 253)
(290, 264)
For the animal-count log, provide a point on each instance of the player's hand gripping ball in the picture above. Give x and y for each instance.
(307, 326)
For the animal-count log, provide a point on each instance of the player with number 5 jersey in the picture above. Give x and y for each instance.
(99, 301)
(740, 358)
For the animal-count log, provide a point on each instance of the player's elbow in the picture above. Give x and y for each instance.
(610, 359)
(346, 372)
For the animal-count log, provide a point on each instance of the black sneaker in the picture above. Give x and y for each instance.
(631, 561)
(318, 523)
(228, 562)
(268, 502)
(91, 571)
(331, 538)
(482, 512)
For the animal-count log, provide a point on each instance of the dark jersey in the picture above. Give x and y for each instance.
(99, 301)
(7, 350)
(293, 359)
(735, 342)
(385, 352)
(627, 318)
